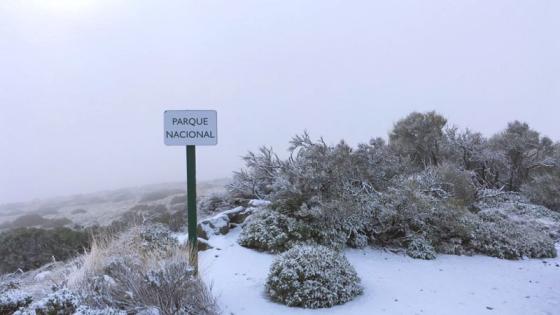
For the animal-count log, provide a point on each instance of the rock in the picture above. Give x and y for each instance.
(203, 245)
(218, 224)
(223, 222)
(239, 214)
(200, 232)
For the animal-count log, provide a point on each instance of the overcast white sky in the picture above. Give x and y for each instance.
(84, 83)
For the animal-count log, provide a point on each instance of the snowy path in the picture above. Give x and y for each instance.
(394, 284)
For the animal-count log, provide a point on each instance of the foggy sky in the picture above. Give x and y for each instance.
(83, 84)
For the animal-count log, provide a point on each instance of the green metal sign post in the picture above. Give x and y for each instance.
(190, 128)
(191, 205)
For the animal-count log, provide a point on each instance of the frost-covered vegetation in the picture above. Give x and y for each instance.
(430, 189)
(312, 277)
(35, 220)
(11, 300)
(142, 270)
(29, 248)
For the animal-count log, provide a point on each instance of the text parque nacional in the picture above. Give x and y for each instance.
(193, 122)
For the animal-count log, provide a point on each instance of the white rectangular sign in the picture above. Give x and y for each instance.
(190, 127)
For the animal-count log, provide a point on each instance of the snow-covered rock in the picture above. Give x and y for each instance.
(259, 203)
(221, 223)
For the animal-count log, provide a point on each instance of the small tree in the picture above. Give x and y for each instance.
(524, 150)
(419, 136)
(256, 180)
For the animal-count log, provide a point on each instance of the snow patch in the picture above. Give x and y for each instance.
(259, 203)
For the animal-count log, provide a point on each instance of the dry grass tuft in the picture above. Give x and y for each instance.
(132, 273)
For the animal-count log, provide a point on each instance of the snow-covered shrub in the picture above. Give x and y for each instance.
(460, 184)
(215, 202)
(518, 208)
(312, 277)
(377, 164)
(156, 237)
(491, 198)
(255, 182)
(127, 273)
(544, 190)
(525, 152)
(60, 302)
(420, 248)
(176, 221)
(425, 182)
(12, 300)
(409, 210)
(358, 240)
(501, 237)
(419, 137)
(86, 310)
(269, 230)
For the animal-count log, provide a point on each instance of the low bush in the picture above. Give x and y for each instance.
(36, 220)
(179, 199)
(62, 301)
(141, 270)
(458, 183)
(215, 202)
(410, 210)
(12, 300)
(312, 277)
(544, 190)
(29, 248)
(176, 221)
(27, 220)
(269, 230)
(420, 248)
(159, 194)
(500, 237)
(452, 229)
(336, 195)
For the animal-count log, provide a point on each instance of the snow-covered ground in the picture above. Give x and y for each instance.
(393, 283)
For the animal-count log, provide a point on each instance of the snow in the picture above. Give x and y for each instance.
(41, 276)
(231, 211)
(394, 283)
(259, 203)
(180, 237)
